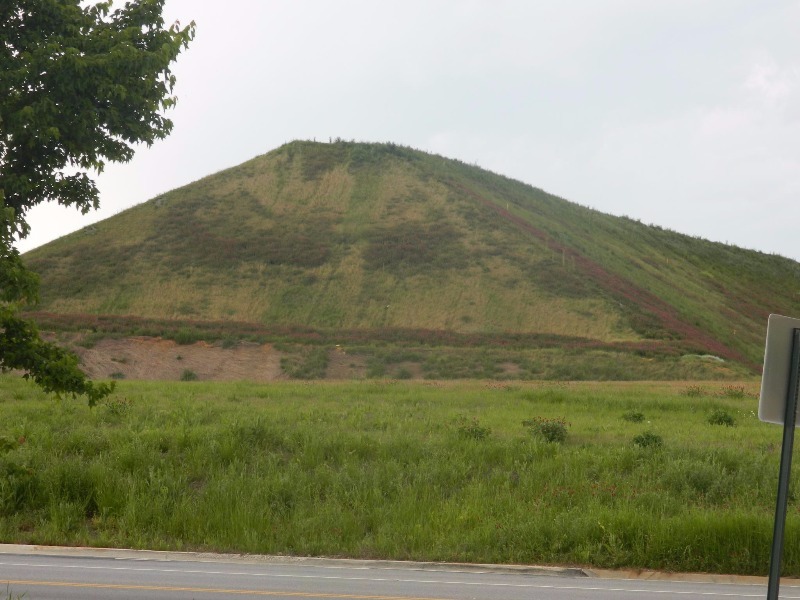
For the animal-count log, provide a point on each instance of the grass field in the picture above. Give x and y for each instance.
(654, 475)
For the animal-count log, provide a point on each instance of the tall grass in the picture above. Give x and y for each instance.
(397, 470)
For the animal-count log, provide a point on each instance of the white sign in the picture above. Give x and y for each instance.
(777, 367)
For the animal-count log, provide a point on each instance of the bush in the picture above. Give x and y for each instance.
(404, 374)
(229, 342)
(90, 340)
(648, 439)
(306, 364)
(693, 391)
(22, 489)
(720, 416)
(185, 336)
(472, 429)
(733, 391)
(188, 375)
(552, 430)
(117, 406)
(633, 416)
(6, 444)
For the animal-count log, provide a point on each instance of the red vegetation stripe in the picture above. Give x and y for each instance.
(193, 330)
(617, 286)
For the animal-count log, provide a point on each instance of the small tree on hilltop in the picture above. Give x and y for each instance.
(80, 85)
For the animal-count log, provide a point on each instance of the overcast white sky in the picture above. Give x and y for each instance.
(680, 113)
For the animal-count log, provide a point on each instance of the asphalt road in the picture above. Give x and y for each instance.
(47, 573)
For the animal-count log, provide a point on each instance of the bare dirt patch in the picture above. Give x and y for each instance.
(511, 369)
(162, 360)
(342, 365)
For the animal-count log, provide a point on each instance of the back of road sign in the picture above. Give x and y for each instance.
(777, 367)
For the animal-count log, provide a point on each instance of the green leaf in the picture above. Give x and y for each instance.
(81, 86)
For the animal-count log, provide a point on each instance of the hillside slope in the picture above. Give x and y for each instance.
(350, 236)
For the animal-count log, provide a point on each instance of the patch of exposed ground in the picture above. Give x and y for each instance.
(342, 365)
(511, 369)
(158, 359)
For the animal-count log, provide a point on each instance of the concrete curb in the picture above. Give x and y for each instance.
(330, 563)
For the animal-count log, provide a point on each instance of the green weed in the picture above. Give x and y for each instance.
(305, 363)
(551, 430)
(404, 373)
(472, 429)
(186, 336)
(633, 416)
(733, 391)
(89, 340)
(648, 439)
(720, 416)
(694, 391)
(188, 375)
(117, 406)
(229, 342)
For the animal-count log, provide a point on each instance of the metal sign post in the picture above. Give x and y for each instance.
(789, 422)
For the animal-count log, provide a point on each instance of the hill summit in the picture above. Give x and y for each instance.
(353, 237)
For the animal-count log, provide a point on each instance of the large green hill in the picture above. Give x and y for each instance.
(377, 238)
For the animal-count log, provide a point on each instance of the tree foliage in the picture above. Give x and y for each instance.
(81, 84)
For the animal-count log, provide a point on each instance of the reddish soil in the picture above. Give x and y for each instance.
(158, 359)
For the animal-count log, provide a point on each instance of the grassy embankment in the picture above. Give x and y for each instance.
(426, 471)
(376, 237)
(407, 353)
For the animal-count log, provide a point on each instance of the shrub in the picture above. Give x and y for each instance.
(693, 391)
(733, 391)
(306, 364)
(117, 406)
(90, 340)
(414, 246)
(229, 342)
(375, 368)
(720, 416)
(22, 489)
(186, 336)
(6, 444)
(648, 439)
(472, 429)
(188, 375)
(633, 416)
(552, 430)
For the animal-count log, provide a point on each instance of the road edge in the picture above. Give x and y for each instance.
(352, 563)
(325, 562)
